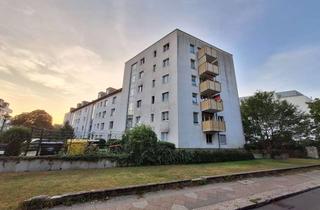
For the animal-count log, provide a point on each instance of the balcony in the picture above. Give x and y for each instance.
(213, 126)
(207, 59)
(208, 70)
(209, 88)
(207, 51)
(211, 105)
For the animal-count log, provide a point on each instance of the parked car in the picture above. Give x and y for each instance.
(47, 147)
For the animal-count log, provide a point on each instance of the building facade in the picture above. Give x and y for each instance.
(184, 89)
(293, 97)
(5, 111)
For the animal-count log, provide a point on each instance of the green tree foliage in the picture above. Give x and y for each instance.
(66, 132)
(14, 137)
(315, 115)
(36, 118)
(140, 143)
(266, 118)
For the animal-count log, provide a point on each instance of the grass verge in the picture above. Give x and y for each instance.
(16, 187)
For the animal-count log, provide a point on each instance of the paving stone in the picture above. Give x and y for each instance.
(229, 195)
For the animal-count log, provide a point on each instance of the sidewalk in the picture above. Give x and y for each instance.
(231, 195)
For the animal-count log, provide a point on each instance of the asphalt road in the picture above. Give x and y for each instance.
(306, 201)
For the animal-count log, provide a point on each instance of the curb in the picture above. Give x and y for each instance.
(43, 201)
(280, 197)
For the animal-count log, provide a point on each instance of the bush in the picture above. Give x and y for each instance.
(140, 144)
(14, 137)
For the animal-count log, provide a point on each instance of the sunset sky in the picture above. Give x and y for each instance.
(55, 53)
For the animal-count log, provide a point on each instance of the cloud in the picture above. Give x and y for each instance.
(293, 69)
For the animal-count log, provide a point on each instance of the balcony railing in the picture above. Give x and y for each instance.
(207, 70)
(213, 126)
(208, 88)
(211, 105)
(207, 51)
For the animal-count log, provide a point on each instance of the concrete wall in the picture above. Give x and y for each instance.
(299, 101)
(106, 105)
(190, 134)
(50, 165)
(148, 91)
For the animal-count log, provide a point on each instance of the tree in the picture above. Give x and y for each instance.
(14, 137)
(36, 118)
(140, 143)
(266, 118)
(66, 132)
(315, 115)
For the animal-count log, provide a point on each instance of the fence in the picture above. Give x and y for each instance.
(46, 142)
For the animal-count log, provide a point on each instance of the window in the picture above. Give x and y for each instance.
(105, 102)
(152, 117)
(141, 74)
(153, 83)
(98, 125)
(165, 115)
(99, 114)
(192, 50)
(165, 79)
(154, 68)
(222, 139)
(109, 136)
(112, 111)
(165, 97)
(154, 53)
(104, 114)
(209, 138)
(165, 62)
(164, 136)
(114, 100)
(166, 47)
(142, 60)
(152, 99)
(194, 98)
(139, 104)
(194, 80)
(195, 118)
(138, 118)
(110, 124)
(193, 64)
(102, 126)
(140, 87)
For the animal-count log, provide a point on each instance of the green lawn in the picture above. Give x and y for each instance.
(15, 187)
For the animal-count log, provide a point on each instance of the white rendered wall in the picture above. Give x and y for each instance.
(147, 108)
(190, 134)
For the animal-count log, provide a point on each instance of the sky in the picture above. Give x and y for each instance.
(56, 53)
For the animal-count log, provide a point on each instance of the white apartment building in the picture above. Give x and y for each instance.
(294, 97)
(4, 112)
(181, 86)
(96, 119)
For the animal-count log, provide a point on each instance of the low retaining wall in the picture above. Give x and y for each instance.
(43, 164)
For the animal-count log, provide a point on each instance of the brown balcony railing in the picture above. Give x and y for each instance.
(213, 126)
(211, 105)
(207, 51)
(208, 88)
(207, 70)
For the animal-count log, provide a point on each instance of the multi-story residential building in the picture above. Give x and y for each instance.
(95, 119)
(294, 97)
(4, 113)
(185, 89)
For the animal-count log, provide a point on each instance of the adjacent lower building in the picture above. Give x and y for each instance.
(5, 111)
(182, 87)
(293, 97)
